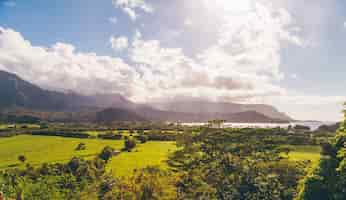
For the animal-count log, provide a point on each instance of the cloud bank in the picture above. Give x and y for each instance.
(243, 65)
(244, 62)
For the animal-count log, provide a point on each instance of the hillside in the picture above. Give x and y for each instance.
(205, 107)
(21, 97)
(17, 92)
(117, 114)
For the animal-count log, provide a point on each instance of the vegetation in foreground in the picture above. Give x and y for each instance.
(328, 180)
(202, 163)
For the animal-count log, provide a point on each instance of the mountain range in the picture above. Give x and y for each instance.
(22, 97)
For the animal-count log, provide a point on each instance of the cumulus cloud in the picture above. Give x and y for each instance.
(294, 76)
(61, 67)
(188, 22)
(119, 44)
(131, 7)
(169, 72)
(251, 42)
(243, 64)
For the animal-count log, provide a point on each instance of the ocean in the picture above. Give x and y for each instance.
(312, 124)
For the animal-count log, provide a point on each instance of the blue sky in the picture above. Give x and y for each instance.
(287, 53)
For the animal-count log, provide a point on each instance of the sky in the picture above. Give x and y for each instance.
(286, 53)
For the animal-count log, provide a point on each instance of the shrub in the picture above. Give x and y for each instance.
(22, 158)
(81, 146)
(142, 138)
(110, 136)
(106, 153)
(61, 134)
(130, 143)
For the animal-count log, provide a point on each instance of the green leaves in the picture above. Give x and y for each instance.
(218, 164)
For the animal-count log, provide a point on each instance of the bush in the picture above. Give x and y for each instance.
(161, 137)
(110, 136)
(142, 138)
(130, 143)
(61, 134)
(81, 146)
(106, 153)
(22, 158)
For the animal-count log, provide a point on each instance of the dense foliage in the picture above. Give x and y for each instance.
(110, 136)
(53, 181)
(61, 133)
(213, 167)
(328, 181)
(225, 164)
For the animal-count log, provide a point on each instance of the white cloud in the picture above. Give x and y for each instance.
(119, 43)
(251, 43)
(243, 65)
(168, 72)
(344, 24)
(131, 7)
(60, 67)
(10, 3)
(188, 22)
(294, 76)
(113, 20)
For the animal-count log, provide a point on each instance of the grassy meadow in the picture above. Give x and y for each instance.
(147, 154)
(305, 153)
(296, 163)
(3, 126)
(47, 149)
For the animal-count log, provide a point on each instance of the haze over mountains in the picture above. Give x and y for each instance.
(17, 94)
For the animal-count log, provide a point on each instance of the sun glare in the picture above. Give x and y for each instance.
(234, 6)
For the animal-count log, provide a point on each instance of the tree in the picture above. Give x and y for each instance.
(143, 138)
(217, 166)
(216, 123)
(149, 183)
(130, 143)
(22, 158)
(106, 153)
(81, 146)
(328, 180)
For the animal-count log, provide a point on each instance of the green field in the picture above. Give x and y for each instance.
(45, 149)
(305, 153)
(148, 154)
(3, 126)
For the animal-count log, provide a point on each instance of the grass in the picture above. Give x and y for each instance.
(3, 126)
(148, 154)
(44, 149)
(305, 153)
